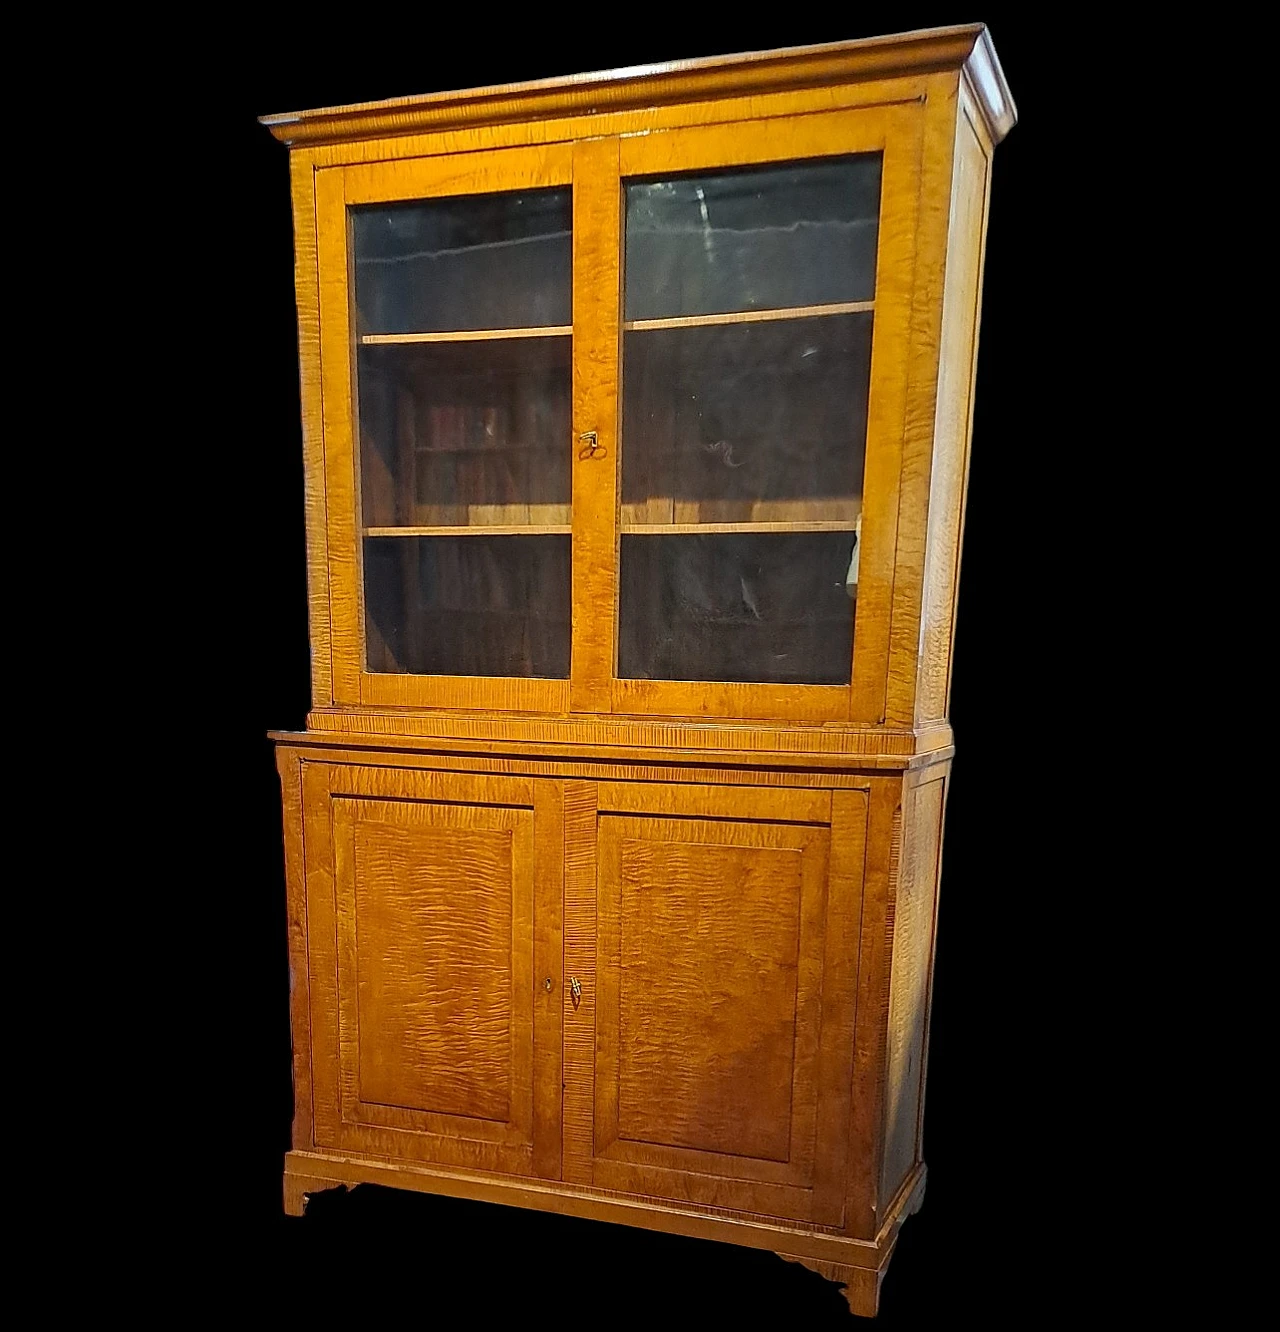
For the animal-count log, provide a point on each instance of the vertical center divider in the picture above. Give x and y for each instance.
(597, 289)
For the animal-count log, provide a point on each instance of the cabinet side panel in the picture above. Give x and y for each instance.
(306, 283)
(909, 926)
(954, 419)
(866, 1131)
(290, 767)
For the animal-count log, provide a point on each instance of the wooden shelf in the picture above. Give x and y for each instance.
(630, 325)
(473, 529)
(430, 450)
(689, 529)
(466, 335)
(749, 316)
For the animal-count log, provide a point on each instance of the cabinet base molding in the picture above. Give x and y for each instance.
(857, 1265)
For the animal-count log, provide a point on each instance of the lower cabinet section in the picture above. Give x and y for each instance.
(696, 998)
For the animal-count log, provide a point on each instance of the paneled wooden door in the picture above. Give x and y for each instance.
(712, 935)
(433, 921)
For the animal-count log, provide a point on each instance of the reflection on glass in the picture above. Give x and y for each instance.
(758, 238)
(745, 385)
(482, 261)
(736, 607)
(746, 422)
(465, 440)
(468, 605)
(465, 433)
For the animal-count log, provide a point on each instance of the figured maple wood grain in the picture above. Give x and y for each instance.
(763, 744)
(580, 962)
(863, 1208)
(337, 381)
(320, 1170)
(909, 923)
(839, 1000)
(548, 965)
(541, 166)
(433, 967)
(408, 1041)
(800, 806)
(921, 365)
(888, 408)
(953, 428)
(709, 939)
(718, 998)
(306, 284)
(425, 996)
(691, 776)
(597, 245)
(684, 698)
(588, 124)
(465, 691)
(290, 768)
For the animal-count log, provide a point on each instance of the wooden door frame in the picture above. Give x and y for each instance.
(337, 189)
(601, 169)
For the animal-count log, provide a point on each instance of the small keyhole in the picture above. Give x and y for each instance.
(546, 984)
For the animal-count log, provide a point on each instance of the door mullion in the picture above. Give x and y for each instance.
(597, 247)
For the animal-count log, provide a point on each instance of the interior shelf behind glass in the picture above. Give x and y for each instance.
(744, 607)
(746, 423)
(458, 434)
(477, 605)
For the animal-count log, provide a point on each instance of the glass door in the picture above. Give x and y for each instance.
(448, 377)
(758, 306)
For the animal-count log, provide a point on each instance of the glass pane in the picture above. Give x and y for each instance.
(465, 433)
(483, 261)
(759, 422)
(740, 607)
(464, 376)
(468, 605)
(759, 238)
(744, 421)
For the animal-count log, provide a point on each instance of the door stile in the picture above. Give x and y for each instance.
(580, 816)
(597, 284)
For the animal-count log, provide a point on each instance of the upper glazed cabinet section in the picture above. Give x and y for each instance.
(637, 419)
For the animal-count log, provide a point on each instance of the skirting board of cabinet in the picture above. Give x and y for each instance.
(858, 1265)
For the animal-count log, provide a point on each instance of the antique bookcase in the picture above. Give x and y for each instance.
(636, 414)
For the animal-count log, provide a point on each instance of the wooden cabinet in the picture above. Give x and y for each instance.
(636, 414)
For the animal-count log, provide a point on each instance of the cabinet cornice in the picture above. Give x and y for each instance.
(966, 47)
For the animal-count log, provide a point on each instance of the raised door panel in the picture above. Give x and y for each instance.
(433, 905)
(720, 1066)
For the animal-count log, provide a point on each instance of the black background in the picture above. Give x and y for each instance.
(217, 1045)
